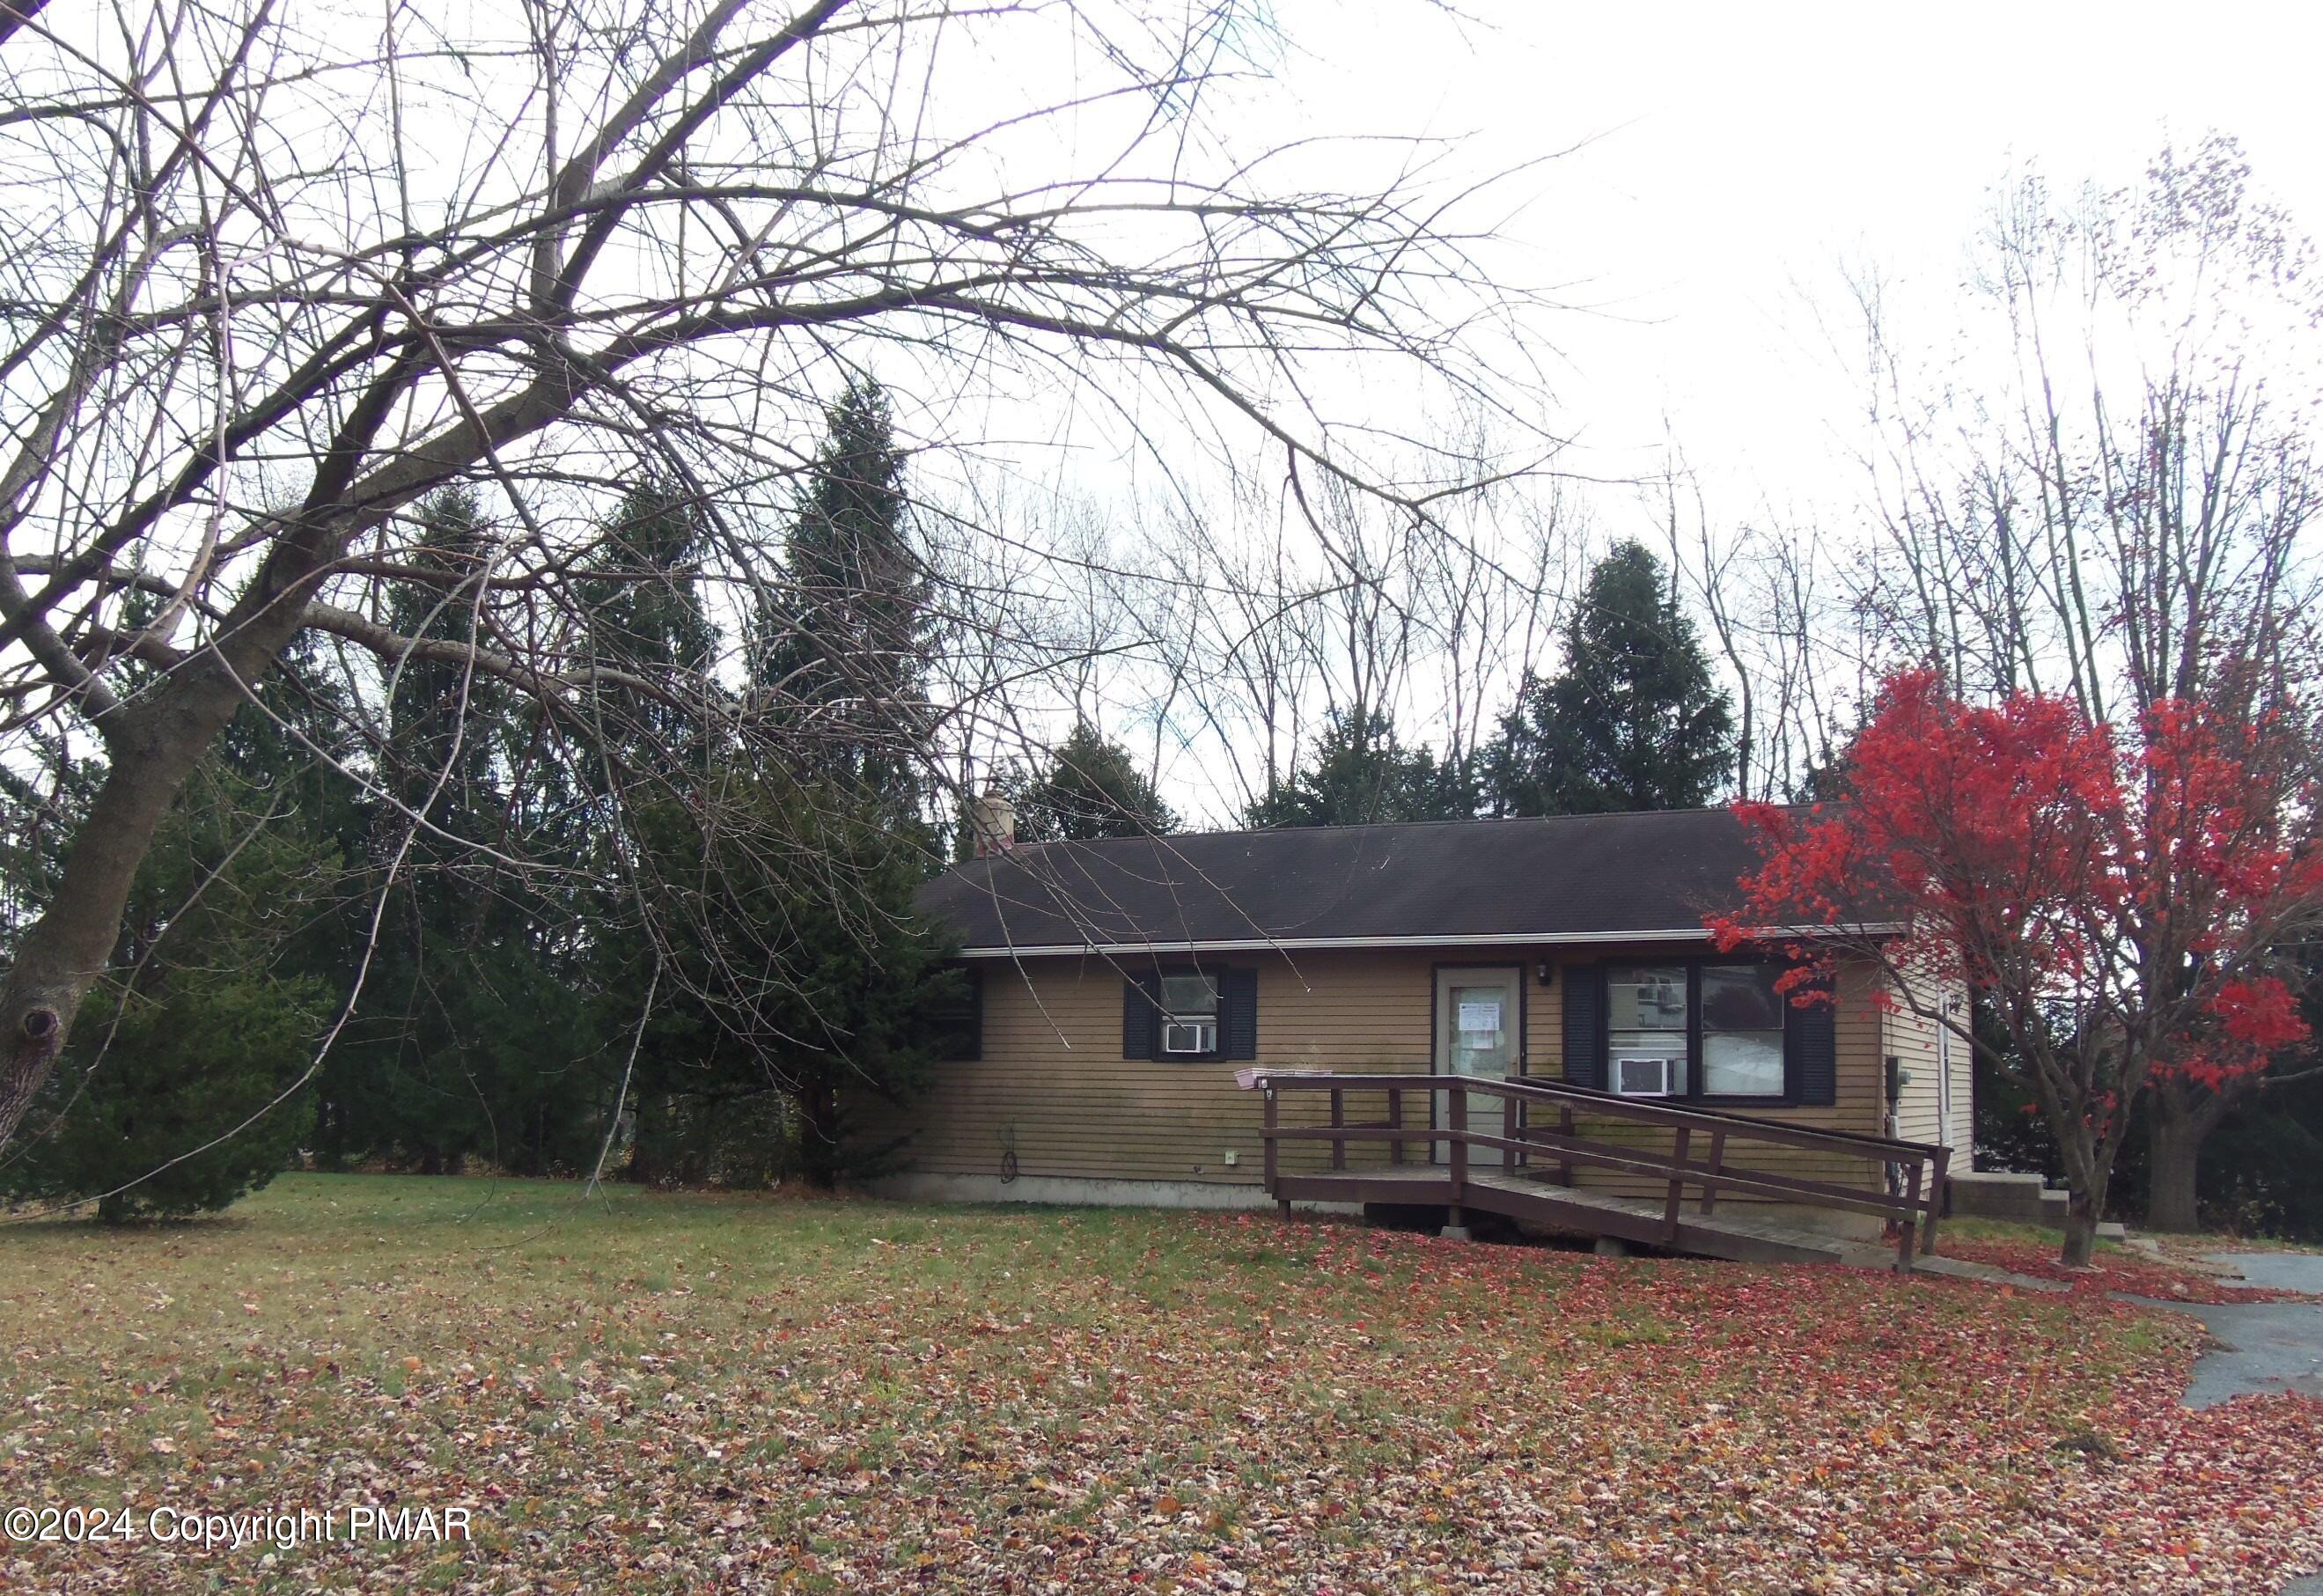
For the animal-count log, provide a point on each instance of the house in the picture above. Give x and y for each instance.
(1121, 986)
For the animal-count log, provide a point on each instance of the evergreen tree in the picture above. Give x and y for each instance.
(1632, 721)
(644, 614)
(1089, 787)
(208, 1023)
(800, 977)
(1360, 772)
(470, 1040)
(839, 666)
(236, 946)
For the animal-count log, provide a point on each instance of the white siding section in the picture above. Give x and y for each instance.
(1934, 1105)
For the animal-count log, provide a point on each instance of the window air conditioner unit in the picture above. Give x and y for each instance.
(1643, 1074)
(1189, 1036)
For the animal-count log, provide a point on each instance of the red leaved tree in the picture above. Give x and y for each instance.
(2122, 904)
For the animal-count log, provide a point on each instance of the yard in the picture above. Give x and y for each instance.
(696, 1392)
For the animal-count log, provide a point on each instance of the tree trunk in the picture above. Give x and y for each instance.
(151, 748)
(2088, 1157)
(818, 1101)
(2176, 1151)
(2080, 1232)
(647, 1142)
(2184, 1115)
(154, 743)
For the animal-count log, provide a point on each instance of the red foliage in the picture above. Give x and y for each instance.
(2027, 850)
(2161, 1277)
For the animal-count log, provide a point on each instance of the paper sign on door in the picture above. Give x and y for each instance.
(1483, 1016)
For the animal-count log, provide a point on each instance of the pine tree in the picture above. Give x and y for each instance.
(644, 614)
(1632, 721)
(839, 666)
(470, 1040)
(1360, 772)
(181, 1092)
(800, 977)
(1090, 787)
(238, 942)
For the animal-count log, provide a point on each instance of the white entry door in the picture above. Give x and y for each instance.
(1478, 1016)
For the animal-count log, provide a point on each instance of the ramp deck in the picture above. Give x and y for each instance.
(1531, 1177)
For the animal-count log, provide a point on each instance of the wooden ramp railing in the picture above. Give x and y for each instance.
(1699, 1156)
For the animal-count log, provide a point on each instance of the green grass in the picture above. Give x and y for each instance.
(670, 1390)
(1969, 1229)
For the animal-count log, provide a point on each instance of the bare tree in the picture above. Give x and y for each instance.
(1265, 620)
(275, 277)
(2121, 509)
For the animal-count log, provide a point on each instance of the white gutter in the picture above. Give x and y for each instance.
(1477, 940)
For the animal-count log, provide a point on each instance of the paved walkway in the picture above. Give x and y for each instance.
(2262, 1346)
(2259, 1346)
(2277, 1271)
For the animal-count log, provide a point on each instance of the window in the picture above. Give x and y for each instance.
(957, 1017)
(1189, 1015)
(1741, 1031)
(1190, 1012)
(1647, 1015)
(1694, 1030)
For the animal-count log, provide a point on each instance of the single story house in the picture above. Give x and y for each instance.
(1119, 985)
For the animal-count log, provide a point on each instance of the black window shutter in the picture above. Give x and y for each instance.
(1585, 1026)
(1811, 1052)
(1141, 1001)
(1238, 1013)
(959, 1022)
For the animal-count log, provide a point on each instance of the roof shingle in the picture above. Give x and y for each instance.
(1568, 877)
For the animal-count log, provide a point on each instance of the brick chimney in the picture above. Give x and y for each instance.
(992, 820)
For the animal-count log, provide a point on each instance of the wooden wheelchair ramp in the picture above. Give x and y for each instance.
(1583, 1212)
(1543, 1132)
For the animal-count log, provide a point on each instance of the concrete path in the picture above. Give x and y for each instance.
(2277, 1271)
(2262, 1346)
(2259, 1346)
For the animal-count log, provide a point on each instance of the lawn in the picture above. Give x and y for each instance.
(691, 1392)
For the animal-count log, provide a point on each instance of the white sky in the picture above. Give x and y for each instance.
(1737, 155)
(1729, 159)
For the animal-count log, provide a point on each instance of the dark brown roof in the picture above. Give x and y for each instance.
(1568, 878)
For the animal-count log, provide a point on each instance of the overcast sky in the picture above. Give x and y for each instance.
(1735, 156)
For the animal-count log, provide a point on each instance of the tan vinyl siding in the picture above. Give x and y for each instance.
(1053, 1087)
